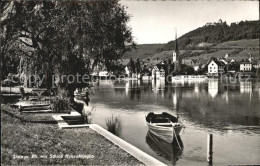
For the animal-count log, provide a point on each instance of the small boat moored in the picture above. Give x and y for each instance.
(164, 126)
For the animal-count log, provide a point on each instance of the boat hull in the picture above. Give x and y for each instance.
(169, 151)
(165, 133)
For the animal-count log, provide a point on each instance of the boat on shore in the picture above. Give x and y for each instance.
(164, 126)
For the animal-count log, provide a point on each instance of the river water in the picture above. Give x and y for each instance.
(229, 111)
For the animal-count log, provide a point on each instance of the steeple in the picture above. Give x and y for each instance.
(176, 43)
(176, 51)
(176, 54)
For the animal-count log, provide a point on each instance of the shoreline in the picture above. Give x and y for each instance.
(32, 146)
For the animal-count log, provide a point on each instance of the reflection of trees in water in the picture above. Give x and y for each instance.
(217, 114)
(135, 89)
(169, 151)
(135, 93)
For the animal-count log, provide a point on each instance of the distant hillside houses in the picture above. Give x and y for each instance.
(212, 67)
(222, 65)
(226, 64)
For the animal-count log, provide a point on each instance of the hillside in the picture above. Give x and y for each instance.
(236, 49)
(211, 40)
(215, 33)
(143, 51)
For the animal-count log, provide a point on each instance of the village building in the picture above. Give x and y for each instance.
(127, 72)
(256, 65)
(134, 75)
(155, 72)
(195, 63)
(215, 67)
(223, 60)
(162, 73)
(232, 60)
(245, 66)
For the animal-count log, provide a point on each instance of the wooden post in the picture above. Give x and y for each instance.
(209, 149)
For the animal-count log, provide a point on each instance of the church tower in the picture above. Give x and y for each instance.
(176, 54)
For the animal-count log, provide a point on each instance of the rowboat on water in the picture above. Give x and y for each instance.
(164, 126)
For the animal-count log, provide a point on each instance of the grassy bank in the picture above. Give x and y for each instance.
(33, 117)
(85, 146)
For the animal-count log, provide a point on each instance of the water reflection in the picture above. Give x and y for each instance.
(226, 105)
(158, 85)
(222, 108)
(169, 151)
(245, 87)
(213, 88)
(133, 89)
(196, 88)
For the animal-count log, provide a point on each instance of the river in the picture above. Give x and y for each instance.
(229, 111)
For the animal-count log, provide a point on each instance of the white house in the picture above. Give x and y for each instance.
(162, 74)
(155, 73)
(215, 67)
(245, 66)
(127, 72)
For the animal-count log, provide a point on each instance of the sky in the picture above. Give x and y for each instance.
(155, 21)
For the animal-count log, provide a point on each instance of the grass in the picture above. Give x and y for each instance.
(143, 51)
(32, 117)
(113, 125)
(245, 43)
(26, 139)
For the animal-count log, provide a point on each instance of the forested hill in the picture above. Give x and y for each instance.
(214, 33)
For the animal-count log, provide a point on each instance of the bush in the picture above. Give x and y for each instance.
(187, 70)
(59, 105)
(113, 125)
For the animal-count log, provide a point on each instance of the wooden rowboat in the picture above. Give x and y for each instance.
(164, 126)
